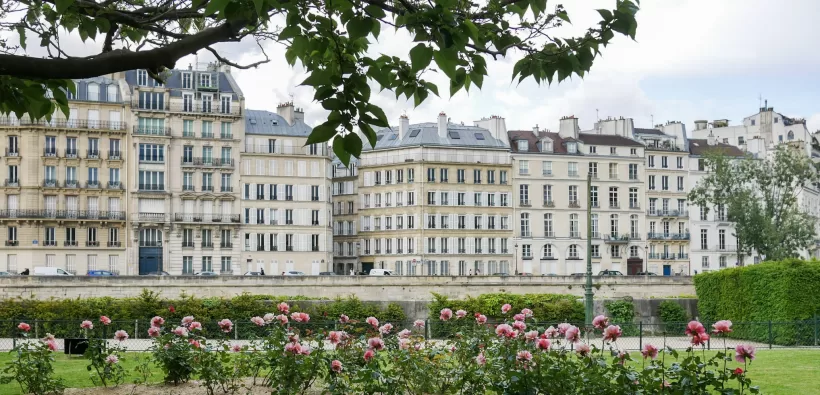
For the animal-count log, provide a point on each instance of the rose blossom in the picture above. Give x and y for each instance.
(181, 331)
(542, 344)
(600, 322)
(105, 320)
(700, 339)
(519, 325)
(369, 354)
(446, 314)
(269, 317)
(195, 343)
(531, 335)
(293, 338)
(481, 319)
(386, 328)
(259, 321)
(87, 325)
(649, 351)
(293, 348)
(519, 317)
(621, 357)
(52, 345)
(187, 320)
(481, 359)
(738, 371)
(524, 356)
(562, 328)
(334, 337)
(300, 317)
(418, 324)
(461, 314)
(49, 337)
(612, 333)
(225, 325)
(153, 331)
(121, 335)
(344, 319)
(744, 353)
(527, 313)
(157, 321)
(112, 359)
(582, 349)
(375, 343)
(236, 348)
(572, 334)
(503, 330)
(551, 332)
(372, 321)
(724, 326)
(336, 366)
(24, 327)
(404, 334)
(283, 308)
(195, 326)
(694, 328)
(404, 344)
(506, 308)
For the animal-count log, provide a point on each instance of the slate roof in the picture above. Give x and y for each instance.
(559, 145)
(272, 124)
(427, 134)
(701, 147)
(648, 131)
(174, 82)
(608, 139)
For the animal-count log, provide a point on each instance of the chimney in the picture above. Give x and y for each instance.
(711, 139)
(299, 114)
(442, 125)
(624, 127)
(404, 125)
(568, 127)
(535, 130)
(286, 110)
(700, 124)
(496, 125)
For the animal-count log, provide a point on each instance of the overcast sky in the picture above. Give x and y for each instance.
(692, 59)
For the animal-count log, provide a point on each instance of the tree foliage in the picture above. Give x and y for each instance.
(761, 198)
(329, 38)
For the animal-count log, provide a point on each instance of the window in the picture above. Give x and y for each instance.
(573, 251)
(633, 251)
(523, 167)
(490, 176)
(633, 198)
(548, 195)
(651, 161)
(615, 251)
(546, 168)
(664, 162)
(431, 175)
(593, 169)
(651, 183)
(524, 194)
(613, 151)
(151, 153)
(572, 169)
(142, 78)
(208, 183)
(12, 236)
(574, 229)
(151, 180)
(595, 251)
(633, 171)
(722, 239)
(547, 252)
(593, 149)
(12, 175)
(411, 198)
(573, 195)
(680, 162)
(613, 197)
(71, 147)
(613, 225)
(613, 171)
(526, 251)
(12, 149)
(431, 198)
(399, 176)
(477, 198)
(790, 135)
(704, 239)
(187, 238)
(207, 264)
(548, 230)
(633, 151)
(572, 148)
(411, 175)
(702, 163)
(633, 226)
(50, 237)
(187, 265)
(593, 194)
(525, 225)
(502, 177)
(523, 145)
(477, 176)
(462, 222)
(680, 183)
(722, 261)
(504, 201)
(460, 176)
(704, 262)
(753, 122)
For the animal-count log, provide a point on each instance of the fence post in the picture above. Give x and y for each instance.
(136, 329)
(37, 329)
(771, 335)
(816, 328)
(236, 330)
(640, 335)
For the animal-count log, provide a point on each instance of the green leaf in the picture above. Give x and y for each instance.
(317, 78)
(359, 27)
(379, 114)
(447, 60)
(258, 5)
(563, 15)
(62, 5)
(605, 14)
(340, 150)
(420, 56)
(215, 6)
(22, 32)
(419, 96)
(472, 29)
(369, 133)
(322, 133)
(353, 144)
(431, 87)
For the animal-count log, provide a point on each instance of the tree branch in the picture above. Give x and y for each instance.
(238, 66)
(118, 60)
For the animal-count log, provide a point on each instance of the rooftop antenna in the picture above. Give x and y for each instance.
(759, 100)
(652, 117)
(596, 115)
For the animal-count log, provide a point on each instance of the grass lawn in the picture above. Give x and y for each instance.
(775, 371)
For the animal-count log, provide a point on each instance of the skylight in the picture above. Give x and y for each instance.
(393, 136)
(479, 136)
(415, 132)
(379, 137)
(454, 135)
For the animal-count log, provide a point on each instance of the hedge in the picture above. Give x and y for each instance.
(673, 316)
(783, 293)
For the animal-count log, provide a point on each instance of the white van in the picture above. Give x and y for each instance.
(50, 271)
(380, 272)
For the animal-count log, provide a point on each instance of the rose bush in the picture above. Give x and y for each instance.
(32, 366)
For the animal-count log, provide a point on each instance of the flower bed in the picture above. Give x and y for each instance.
(521, 355)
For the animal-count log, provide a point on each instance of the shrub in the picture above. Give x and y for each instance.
(673, 316)
(783, 291)
(33, 365)
(623, 314)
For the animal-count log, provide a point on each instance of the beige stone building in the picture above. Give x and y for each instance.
(285, 192)
(63, 201)
(435, 199)
(345, 216)
(550, 182)
(184, 184)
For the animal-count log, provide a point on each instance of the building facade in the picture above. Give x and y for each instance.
(551, 198)
(435, 199)
(63, 201)
(184, 184)
(286, 211)
(345, 216)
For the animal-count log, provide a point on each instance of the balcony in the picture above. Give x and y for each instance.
(71, 184)
(114, 185)
(634, 206)
(207, 162)
(523, 203)
(574, 235)
(223, 136)
(223, 218)
(669, 236)
(596, 235)
(64, 214)
(614, 205)
(549, 203)
(151, 243)
(151, 217)
(667, 213)
(208, 108)
(574, 204)
(47, 183)
(70, 243)
(92, 154)
(92, 184)
(70, 153)
(152, 130)
(226, 245)
(152, 187)
(478, 250)
(210, 244)
(12, 243)
(668, 256)
(207, 188)
(11, 183)
(66, 123)
(616, 239)
(187, 244)
(288, 248)
(50, 243)
(12, 153)
(225, 189)
(114, 244)
(188, 188)
(114, 155)
(50, 152)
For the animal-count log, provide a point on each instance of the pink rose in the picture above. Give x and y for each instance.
(503, 330)
(283, 319)
(519, 325)
(112, 359)
(506, 308)
(372, 321)
(259, 321)
(236, 348)
(694, 327)
(481, 359)
(283, 308)
(180, 331)
(481, 319)
(300, 317)
(121, 335)
(418, 324)
(524, 356)
(368, 355)
(375, 343)
(622, 357)
(336, 366)
(600, 322)
(49, 337)
(446, 314)
(744, 353)
(105, 320)
(24, 327)
(153, 331)
(344, 319)
(531, 335)
(385, 329)
(87, 325)
(404, 334)
(519, 317)
(195, 343)
(52, 345)
(527, 313)
(551, 332)
(404, 344)
(461, 314)
(157, 321)
(269, 317)
(572, 334)
(562, 328)
(649, 351)
(195, 326)
(582, 349)
(542, 344)
(187, 320)
(334, 337)
(293, 348)
(225, 325)
(724, 326)
(612, 333)
(700, 339)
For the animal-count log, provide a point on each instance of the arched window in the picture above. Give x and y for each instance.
(548, 252)
(633, 251)
(573, 252)
(790, 136)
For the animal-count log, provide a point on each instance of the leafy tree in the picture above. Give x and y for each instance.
(330, 38)
(760, 197)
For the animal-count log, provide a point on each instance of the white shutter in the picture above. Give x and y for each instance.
(253, 192)
(272, 167)
(253, 216)
(114, 117)
(260, 167)
(71, 203)
(188, 206)
(12, 262)
(93, 204)
(94, 119)
(13, 202)
(249, 144)
(247, 165)
(253, 236)
(468, 198)
(314, 169)
(207, 207)
(226, 207)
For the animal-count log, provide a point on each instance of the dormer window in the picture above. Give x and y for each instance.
(572, 148)
(142, 78)
(186, 81)
(546, 145)
(522, 145)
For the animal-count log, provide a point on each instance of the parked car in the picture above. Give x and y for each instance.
(610, 273)
(100, 273)
(327, 274)
(6, 274)
(380, 272)
(50, 271)
(501, 274)
(293, 273)
(578, 274)
(207, 274)
(645, 274)
(252, 274)
(161, 273)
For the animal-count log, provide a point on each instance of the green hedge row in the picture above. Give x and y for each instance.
(778, 292)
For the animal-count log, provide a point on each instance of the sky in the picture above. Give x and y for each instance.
(692, 59)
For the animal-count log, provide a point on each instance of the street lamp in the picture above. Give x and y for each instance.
(588, 292)
(515, 258)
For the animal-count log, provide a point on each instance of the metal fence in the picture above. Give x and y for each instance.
(762, 335)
